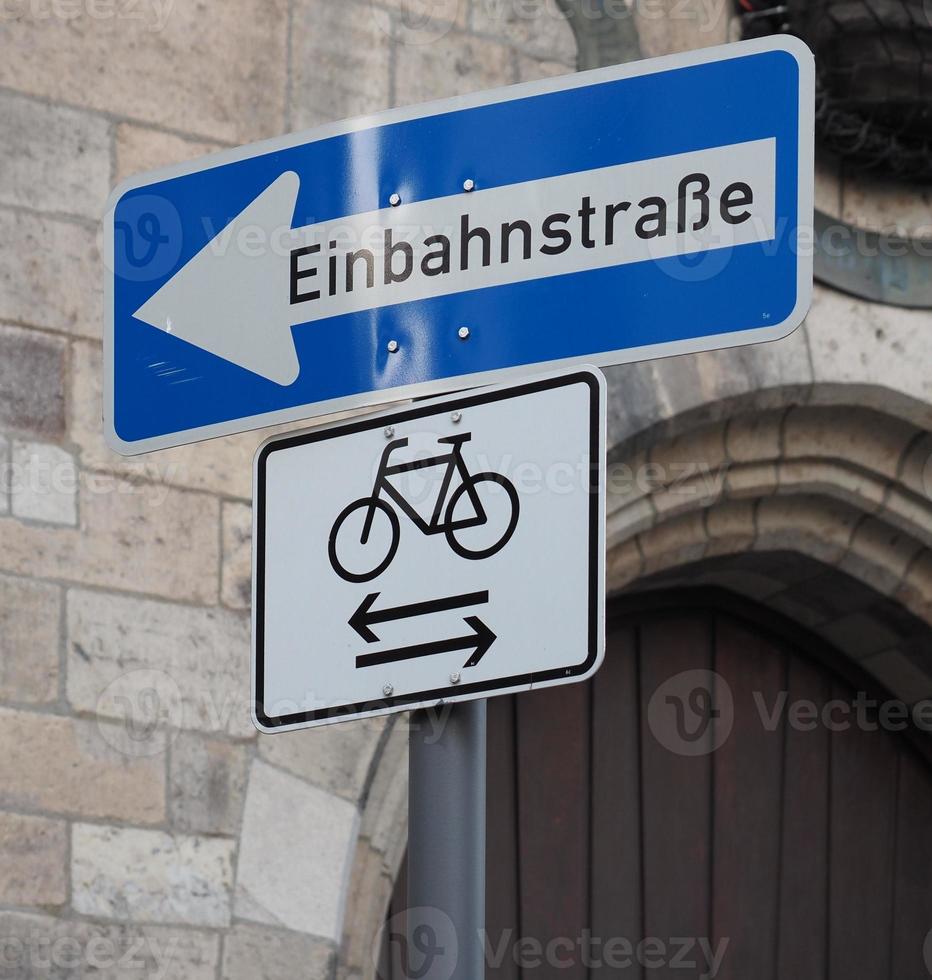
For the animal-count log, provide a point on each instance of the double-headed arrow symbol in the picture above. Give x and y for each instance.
(479, 640)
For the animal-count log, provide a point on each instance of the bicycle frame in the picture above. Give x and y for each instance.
(454, 464)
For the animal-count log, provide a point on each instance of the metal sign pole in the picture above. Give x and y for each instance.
(446, 844)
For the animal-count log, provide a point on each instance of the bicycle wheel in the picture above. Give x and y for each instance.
(481, 482)
(372, 548)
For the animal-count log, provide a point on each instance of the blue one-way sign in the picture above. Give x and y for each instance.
(615, 215)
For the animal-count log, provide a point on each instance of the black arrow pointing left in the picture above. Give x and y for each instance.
(365, 616)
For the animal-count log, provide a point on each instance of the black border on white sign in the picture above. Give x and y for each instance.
(596, 593)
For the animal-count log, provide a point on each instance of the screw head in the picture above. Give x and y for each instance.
(389, 431)
(455, 677)
(388, 690)
(395, 200)
(463, 333)
(392, 346)
(469, 185)
(456, 416)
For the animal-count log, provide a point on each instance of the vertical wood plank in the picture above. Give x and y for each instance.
(616, 805)
(502, 911)
(553, 821)
(910, 952)
(676, 823)
(747, 777)
(802, 926)
(863, 799)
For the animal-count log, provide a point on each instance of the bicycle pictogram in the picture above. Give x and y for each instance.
(386, 500)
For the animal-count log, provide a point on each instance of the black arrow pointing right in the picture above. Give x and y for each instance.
(478, 641)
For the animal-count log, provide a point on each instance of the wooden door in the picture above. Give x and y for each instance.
(790, 851)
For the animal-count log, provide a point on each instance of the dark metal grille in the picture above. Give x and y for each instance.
(873, 76)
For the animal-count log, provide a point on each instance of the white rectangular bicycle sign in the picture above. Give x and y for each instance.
(446, 551)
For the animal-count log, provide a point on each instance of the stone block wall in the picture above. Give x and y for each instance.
(145, 830)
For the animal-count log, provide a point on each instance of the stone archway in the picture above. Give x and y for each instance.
(843, 488)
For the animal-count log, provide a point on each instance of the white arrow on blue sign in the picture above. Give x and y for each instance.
(632, 212)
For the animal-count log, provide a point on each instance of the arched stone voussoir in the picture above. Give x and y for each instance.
(820, 528)
(871, 462)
